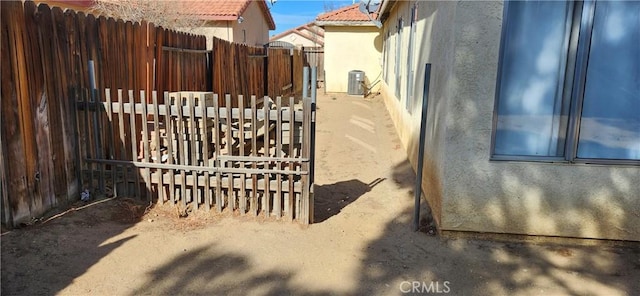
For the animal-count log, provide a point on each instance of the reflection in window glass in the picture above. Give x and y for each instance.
(610, 124)
(532, 74)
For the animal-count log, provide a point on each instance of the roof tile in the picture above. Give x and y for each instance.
(222, 10)
(349, 13)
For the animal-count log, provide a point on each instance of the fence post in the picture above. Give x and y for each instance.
(305, 82)
(314, 81)
(291, 52)
(94, 102)
(312, 147)
(423, 126)
(314, 78)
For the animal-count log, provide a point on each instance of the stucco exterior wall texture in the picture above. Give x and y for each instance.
(433, 43)
(219, 29)
(349, 48)
(467, 191)
(255, 26)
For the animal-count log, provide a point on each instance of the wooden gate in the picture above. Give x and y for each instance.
(195, 154)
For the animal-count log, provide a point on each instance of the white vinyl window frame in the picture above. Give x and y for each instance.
(573, 83)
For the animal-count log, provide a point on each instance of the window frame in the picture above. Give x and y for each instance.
(398, 59)
(573, 88)
(409, 103)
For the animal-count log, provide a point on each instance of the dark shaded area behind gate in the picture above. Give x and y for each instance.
(46, 56)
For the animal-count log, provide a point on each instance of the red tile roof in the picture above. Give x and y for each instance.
(224, 10)
(73, 4)
(80, 3)
(349, 13)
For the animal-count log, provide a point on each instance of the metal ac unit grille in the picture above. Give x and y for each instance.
(355, 83)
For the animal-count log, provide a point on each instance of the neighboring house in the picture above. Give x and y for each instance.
(239, 21)
(76, 5)
(533, 123)
(307, 35)
(351, 42)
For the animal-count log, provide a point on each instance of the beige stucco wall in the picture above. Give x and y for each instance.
(254, 25)
(349, 48)
(219, 29)
(468, 191)
(433, 43)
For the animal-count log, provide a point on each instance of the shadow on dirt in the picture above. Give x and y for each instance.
(330, 199)
(207, 271)
(71, 243)
(486, 266)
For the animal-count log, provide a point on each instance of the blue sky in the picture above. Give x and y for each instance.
(289, 14)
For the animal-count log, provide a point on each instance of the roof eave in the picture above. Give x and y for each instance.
(267, 14)
(218, 17)
(385, 7)
(345, 23)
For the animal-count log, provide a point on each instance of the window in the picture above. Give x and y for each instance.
(397, 62)
(410, 66)
(569, 82)
(385, 56)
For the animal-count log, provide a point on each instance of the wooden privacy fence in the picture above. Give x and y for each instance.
(238, 69)
(195, 154)
(46, 58)
(46, 53)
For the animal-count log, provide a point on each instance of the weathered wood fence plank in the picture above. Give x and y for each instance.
(48, 129)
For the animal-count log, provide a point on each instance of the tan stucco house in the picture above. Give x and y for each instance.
(351, 42)
(76, 5)
(533, 112)
(240, 21)
(307, 35)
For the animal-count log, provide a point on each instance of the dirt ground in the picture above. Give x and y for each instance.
(361, 244)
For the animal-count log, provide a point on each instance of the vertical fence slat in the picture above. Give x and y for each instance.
(158, 147)
(292, 127)
(217, 136)
(169, 130)
(97, 132)
(122, 134)
(40, 52)
(254, 153)
(12, 106)
(134, 141)
(267, 176)
(112, 144)
(87, 137)
(278, 198)
(243, 193)
(205, 129)
(306, 141)
(194, 151)
(181, 154)
(65, 105)
(229, 145)
(145, 145)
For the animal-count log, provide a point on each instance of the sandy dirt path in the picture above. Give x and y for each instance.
(361, 244)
